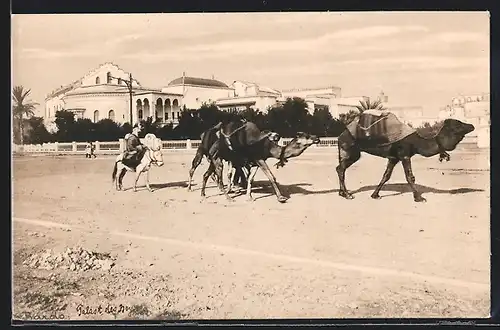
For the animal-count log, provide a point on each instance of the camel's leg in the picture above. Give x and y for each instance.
(230, 176)
(263, 165)
(347, 157)
(194, 165)
(251, 175)
(417, 197)
(206, 175)
(122, 171)
(219, 166)
(147, 182)
(241, 176)
(387, 175)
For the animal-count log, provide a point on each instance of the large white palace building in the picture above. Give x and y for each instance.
(103, 93)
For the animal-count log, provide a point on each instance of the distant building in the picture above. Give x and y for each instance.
(103, 93)
(473, 109)
(408, 114)
(197, 91)
(244, 94)
(317, 97)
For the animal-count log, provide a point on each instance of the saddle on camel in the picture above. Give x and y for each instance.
(377, 128)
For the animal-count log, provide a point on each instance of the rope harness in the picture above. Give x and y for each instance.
(227, 137)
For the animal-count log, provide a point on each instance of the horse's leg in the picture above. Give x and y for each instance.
(347, 157)
(267, 171)
(123, 171)
(194, 165)
(206, 175)
(138, 171)
(251, 175)
(417, 197)
(147, 181)
(387, 175)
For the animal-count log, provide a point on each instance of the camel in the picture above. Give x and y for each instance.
(208, 138)
(245, 145)
(399, 147)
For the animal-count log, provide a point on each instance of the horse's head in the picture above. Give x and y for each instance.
(154, 145)
(156, 157)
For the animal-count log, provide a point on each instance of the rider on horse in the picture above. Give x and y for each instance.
(133, 144)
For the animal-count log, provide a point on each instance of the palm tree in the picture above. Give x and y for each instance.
(367, 105)
(22, 106)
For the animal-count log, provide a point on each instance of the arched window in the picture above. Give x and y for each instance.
(119, 81)
(111, 115)
(97, 80)
(140, 114)
(108, 78)
(96, 116)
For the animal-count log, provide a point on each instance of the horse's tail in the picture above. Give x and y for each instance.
(115, 169)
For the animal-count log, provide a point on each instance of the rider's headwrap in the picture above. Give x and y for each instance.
(137, 129)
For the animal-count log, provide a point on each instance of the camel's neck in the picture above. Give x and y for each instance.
(427, 147)
(275, 150)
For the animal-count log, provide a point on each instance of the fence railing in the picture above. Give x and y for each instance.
(116, 147)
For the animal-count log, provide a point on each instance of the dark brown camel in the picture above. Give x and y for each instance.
(244, 145)
(208, 138)
(351, 145)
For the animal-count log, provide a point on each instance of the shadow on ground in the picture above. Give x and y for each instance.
(158, 186)
(401, 188)
(264, 187)
(178, 184)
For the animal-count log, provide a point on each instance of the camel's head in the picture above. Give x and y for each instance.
(297, 146)
(305, 139)
(273, 136)
(301, 142)
(452, 132)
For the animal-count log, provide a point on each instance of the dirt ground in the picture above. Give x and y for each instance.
(316, 256)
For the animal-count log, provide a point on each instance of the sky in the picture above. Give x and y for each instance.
(415, 58)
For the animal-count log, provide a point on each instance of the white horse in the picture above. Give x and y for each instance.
(151, 156)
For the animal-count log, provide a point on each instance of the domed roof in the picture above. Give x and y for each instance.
(197, 82)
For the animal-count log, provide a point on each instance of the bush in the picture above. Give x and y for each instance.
(286, 119)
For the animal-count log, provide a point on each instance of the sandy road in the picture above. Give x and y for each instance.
(315, 256)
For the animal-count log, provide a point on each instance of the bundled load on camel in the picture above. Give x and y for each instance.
(374, 128)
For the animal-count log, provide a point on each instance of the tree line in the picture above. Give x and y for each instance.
(286, 119)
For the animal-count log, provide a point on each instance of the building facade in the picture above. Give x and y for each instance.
(243, 95)
(103, 93)
(473, 109)
(197, 91)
